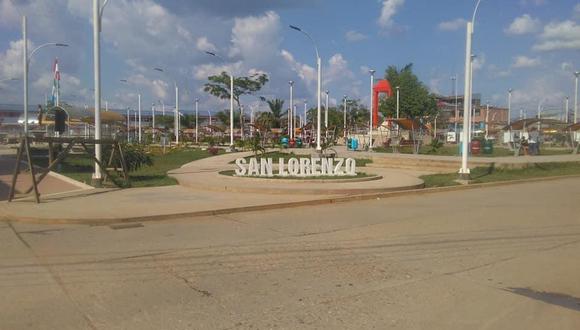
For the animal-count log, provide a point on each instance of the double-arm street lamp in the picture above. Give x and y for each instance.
(319, 87)
(26, 63)
(231, 99)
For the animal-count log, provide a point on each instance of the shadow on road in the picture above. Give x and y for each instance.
(559, 299)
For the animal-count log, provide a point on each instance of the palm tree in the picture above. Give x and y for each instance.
(276, 108)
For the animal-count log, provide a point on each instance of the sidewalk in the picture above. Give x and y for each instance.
(202, 191)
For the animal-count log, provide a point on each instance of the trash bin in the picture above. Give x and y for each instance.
(284, 141)
(488, 147)
(354, 144)
(475, 147)
(292, 143)
(298, 143)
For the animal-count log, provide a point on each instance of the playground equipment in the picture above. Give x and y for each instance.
(382, 86)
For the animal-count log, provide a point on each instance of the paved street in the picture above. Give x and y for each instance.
(493, 258)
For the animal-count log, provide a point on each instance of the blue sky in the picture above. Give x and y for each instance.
(531, 46)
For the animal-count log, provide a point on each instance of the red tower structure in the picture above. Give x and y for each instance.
(382, 86)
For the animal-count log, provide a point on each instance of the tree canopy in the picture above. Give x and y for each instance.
(219, 86)
(415, 99)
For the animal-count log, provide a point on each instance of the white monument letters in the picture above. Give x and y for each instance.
(296, 167)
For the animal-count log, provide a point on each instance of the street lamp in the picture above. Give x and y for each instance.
(398, 106)
(344, 99)
(97, 21)
(464, 171)
(577, 73)
(319, 84)
(454, 79)
(138, 109)
(176, 113)
(291, 111)
(372, 72)
(231, 100)
(326, 111)
(196, 120)
(26, 63)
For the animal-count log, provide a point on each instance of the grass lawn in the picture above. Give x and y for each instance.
(453, 150)
(80, 167)
(484, 174)
(360, 162)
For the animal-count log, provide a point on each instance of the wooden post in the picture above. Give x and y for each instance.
(58, 159)
(16, 170)
(31, 166)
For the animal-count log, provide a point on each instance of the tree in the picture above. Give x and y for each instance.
(277, 110)
(415, 102)
(224, 117)
(219, 86)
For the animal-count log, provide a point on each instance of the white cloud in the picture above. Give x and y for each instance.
(559, 36)
(478, 62)
(524, 24)
(452, 25)
(577, 11)
(354, 36)
(566, 66)
(204, 45)
(11, 60)
(388, 12)
(256, 38)
(525, 62)
(304, 71)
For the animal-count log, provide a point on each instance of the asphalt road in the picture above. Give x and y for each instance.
(494, 258)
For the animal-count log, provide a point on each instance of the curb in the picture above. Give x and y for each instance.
(315, 202)
(82, 186)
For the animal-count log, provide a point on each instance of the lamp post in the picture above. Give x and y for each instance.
(138, 111)
(26, 63)
(291, 111)
(176, 111)
(464, 171)
(566, 110)
(372, 72)
(196, 120)
(326, 111)
(398, 106)
(509, 118)
(97, 20)
(454, 80)
(153, 121)
(231, 100)
(319, 84)
(577, 73)
(209, 114)
(344, 99)
(128, 124)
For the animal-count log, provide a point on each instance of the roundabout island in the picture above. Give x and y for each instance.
(303, 174)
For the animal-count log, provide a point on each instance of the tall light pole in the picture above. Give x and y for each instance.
(291, 111)
(231, 100)
(153, 120)
(464, 171)
(344, 99)
(176, 111)
(567, 109)
(372, 72)
(26, 64)
(326, 111)
(509, 118)
(138, 111)
(454, 80)
(97, 20)
(577, 74)
(196, 120)
(209, 114)
(319, 84)
(128, 124)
